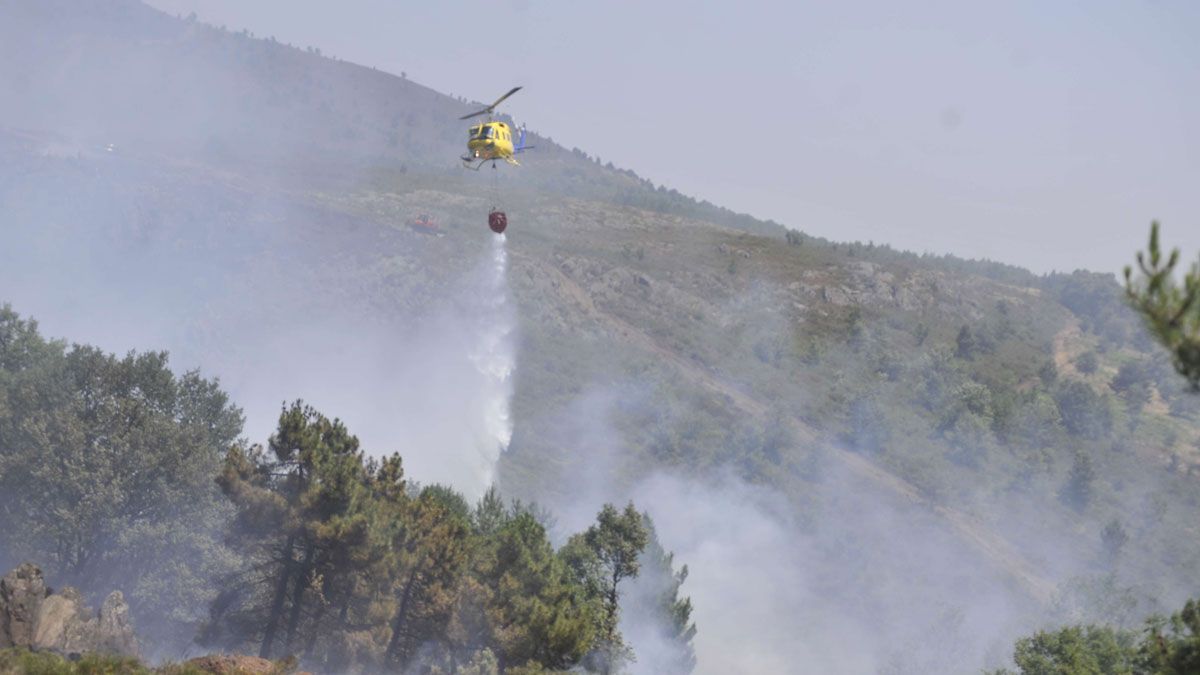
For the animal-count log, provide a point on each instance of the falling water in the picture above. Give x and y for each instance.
(493, 356)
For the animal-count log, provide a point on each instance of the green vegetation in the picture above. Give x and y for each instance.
(1165, 646)
(106, 468)
(966, 388)
(1170, 307)
(15, 661)
(604, 556)
(24, 662)
(112, 469)
(353, 569)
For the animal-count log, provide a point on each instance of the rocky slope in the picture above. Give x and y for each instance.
(33, 617)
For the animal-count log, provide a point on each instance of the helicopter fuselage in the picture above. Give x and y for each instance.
(490, 140)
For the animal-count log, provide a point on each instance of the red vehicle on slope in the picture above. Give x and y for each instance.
(425, 224)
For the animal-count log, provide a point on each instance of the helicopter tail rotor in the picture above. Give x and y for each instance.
(521, 147)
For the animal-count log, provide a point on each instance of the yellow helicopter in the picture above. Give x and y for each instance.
(492, 141)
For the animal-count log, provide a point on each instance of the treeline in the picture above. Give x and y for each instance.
(354, 569)
(107, 468)
(115, 473)
(1166, 646)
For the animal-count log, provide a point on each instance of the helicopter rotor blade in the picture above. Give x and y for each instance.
(501, 99)
(491, 108)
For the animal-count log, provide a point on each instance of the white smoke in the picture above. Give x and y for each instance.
(753, 580)
(432, 386)
(853, 581)
(438, 389)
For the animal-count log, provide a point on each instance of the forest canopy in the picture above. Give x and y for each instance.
(116, 473)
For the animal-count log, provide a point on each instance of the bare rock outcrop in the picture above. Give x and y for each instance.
(233, 664)
(62, 624)
(33, 618)
(114, 631)
(240, 664)
(22, 592)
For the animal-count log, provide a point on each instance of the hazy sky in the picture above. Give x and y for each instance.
(1043, 134)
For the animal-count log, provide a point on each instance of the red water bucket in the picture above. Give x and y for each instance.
(497, 221)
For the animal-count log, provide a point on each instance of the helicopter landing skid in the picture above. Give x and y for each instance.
(467, 163)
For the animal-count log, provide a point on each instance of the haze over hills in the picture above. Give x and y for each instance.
(1045, 139)
(870, 460)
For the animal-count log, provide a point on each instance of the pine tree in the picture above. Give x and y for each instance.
(655, 596)
(431, 551)
(602, 557)
(524, 602)
(1113, 537)
(1078, 490)
(1172, 645)
(490, 513)
(301, 517)
(1171, 309)
(965, 344)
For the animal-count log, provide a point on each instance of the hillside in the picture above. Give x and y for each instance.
(895, 449)
(226, 98)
